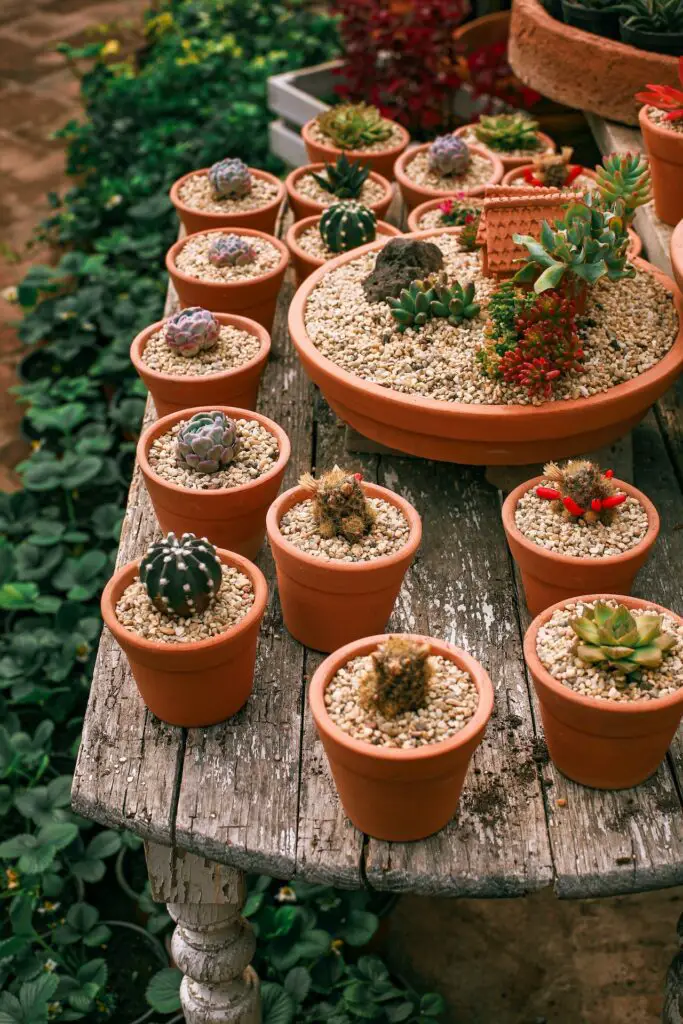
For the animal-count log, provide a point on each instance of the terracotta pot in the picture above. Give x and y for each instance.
(231, 517)
(302, 261)
(382, 160)
(510, 162)
(198, 683)
(254, 298)
(328, 604)
(415, 216)
(237, 387)
(677, 254)
(261, 219)
(414, 194)
(301, 206)
(549, 576)
(665, 153)
(492, 435)
(394, 794)
(603, 744)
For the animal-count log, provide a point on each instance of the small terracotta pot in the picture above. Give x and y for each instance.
(302, 261)
(549, 576)
(414, 194)
(416, 215)
(394, 794)
(301, 206)
(603, 744)
(254, 298)
(665, 153)
(261, 219)
(677, 254)
(382, 160)
(510, 162)
(328, 604)
(198, 683)
(231, 517)
(238, 387)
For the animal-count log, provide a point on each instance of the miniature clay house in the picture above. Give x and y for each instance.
(514, 209)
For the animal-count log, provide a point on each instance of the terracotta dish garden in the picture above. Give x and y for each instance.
(359, 131)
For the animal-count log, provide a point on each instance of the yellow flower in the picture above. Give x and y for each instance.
(12, 878)
(10, 294)
(337, 945)
(111, 47)
(160, 25)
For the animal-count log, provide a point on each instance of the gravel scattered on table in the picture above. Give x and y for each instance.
(635, 324)
(395, 139)
(389, 534)
(257, 454)
(451, 701)
(555, 643)
(197, 193)
(233, 348)
(471, 139)
(539, 522)
(371, 193)
(193, 259)
(136, 612)
(658, 117)
(479, 172)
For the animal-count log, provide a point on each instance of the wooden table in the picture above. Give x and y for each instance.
(254, 794)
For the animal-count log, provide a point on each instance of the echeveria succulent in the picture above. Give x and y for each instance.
(192, 330)
(613, 638)
(208, 442)
(231, 251)
(230, 179)
(449, 154)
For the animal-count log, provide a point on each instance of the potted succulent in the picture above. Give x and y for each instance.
(313, 187)
(448, 164)
(598, 16)
(341, 548)
(654, 25)
(341, 227)
(661, 122)
(514, 138)
(200, 358)
(237, 271)
(187, 617)
(454, 211)
(608, 672)
(214, 470)
(228, 194)
(576, 527)
(552, 170)
(360, 131)
(399, 718)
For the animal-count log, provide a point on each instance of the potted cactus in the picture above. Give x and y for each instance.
(239, 271)
(187, 617)
(214, 470)
(399, 718)
(447, 165)
(653, 25)
(514, 138)
(198, 358)
(608, 671)
(576, 528)
(313, 187)
(454, 211)
(228, 195)
(341, 548)
(359, 131)
(661, 122)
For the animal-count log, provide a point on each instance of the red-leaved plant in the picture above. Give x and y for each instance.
(548, 346)
(665, 97)
(490, 76)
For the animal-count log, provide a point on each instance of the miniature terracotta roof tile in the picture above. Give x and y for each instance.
(513, 209)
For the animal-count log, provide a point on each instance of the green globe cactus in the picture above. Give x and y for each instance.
(613, 638)
(182, 577)
(449, 155)
(208, 442)
(346, 225)
(231, 251)
(191, 331)
(399, 679)
(230, 179)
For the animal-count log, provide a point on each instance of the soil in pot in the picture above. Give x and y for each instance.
(664, 144)
(654, 42)
(199, 207)
(601, 22)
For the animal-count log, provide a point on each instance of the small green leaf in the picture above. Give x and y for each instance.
(163, 991)
(277, 1006)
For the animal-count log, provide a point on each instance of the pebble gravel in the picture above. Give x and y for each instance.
(658, 116)
(541, 523)
(257, 454)
(389, 533)
(479, 172)
(372, 191)
(197, 193)
(193, 259)
(233, 348)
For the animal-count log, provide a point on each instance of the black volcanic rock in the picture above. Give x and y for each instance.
(401, 261)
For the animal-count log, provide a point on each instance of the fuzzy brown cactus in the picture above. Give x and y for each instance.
(399, 678)
(340, 507)
(553, 169)
(582, 491)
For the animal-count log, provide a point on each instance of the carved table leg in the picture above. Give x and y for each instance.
(212, 943)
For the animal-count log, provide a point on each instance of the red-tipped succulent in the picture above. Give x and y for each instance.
(665, 97)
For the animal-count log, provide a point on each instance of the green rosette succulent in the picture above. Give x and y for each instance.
(354, 126)
(182, 577)
(625, 177)
(344, 179)
(508, 132)
(454, 302)
(615, 639)
(346, 225)
(413, 307)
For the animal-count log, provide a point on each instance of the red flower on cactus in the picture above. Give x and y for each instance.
(665, 97)
(573, 173)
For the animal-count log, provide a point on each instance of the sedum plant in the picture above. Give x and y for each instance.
(208, 442)
(344, 179)
(191, 331)
(346, 225)
(508, 132)
(230, 179)
(182, 577)
(666, 98)
(448, 155)
(340, 508)
(615, 639)
(582, 491)
(354, 125)
(231, 251)
(399, 679)
(624, 177)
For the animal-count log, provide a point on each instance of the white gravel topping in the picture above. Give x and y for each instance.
(471, 139)
(197, 193)
(389, 533)
(479, 172)
(658, 117)
(257, 454)
(635, 324)
(394, 139)
(539, 522)
(372, 191)
(193, 259)
(233, 348)
(451, 701)
(136, 612)
(555, 643)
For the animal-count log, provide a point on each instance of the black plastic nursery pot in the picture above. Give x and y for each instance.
(670, 43)
(554, 8)
(591, 19)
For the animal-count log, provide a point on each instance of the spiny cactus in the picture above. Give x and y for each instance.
(449, 155)
(507, 132)
(191, 331)
(616, 639)
(581, 491)
(454, 302)
(340, 507)
(399, 679)
(413, 307)
(230, 179)
(553, 170)
(354, 125)
(231, 251)
(346, 225)
(624, 176)
(208, 442)
(467, 239)
(344, 179)
(182, 577)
